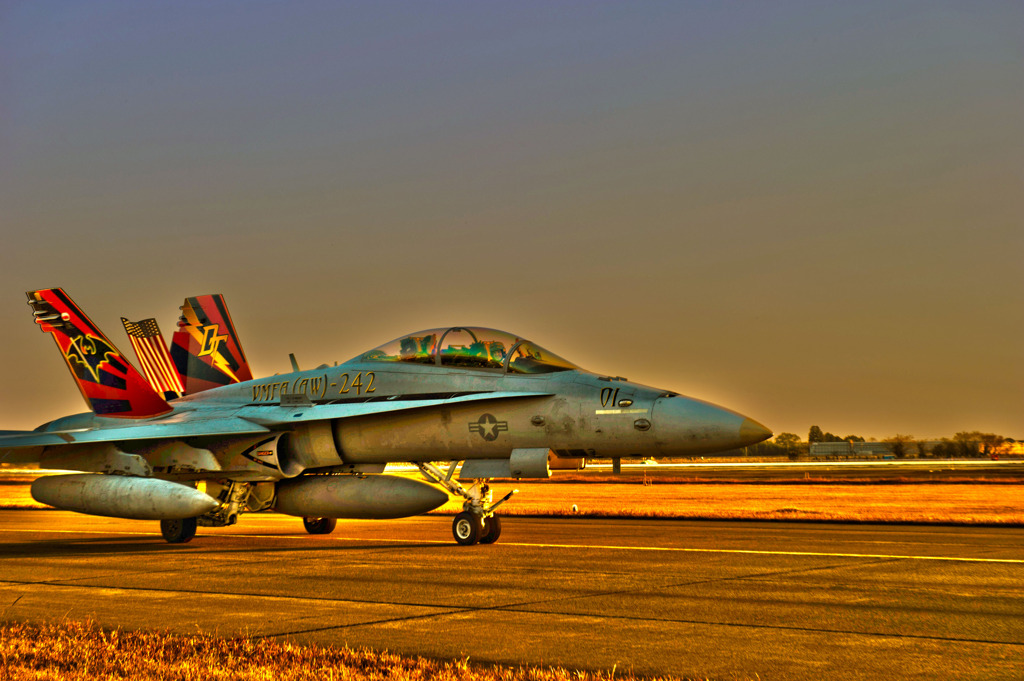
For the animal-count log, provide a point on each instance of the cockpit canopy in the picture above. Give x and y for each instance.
(470, 348)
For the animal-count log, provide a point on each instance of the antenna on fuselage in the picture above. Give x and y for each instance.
(295, 364)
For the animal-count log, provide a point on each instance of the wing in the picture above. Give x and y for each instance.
(204, 423)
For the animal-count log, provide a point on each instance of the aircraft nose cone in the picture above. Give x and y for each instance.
(685, 426)
(752, 432)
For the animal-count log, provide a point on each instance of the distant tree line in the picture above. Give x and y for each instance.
(968, 444)
(971, 444)
(815, 435)
(783, 444)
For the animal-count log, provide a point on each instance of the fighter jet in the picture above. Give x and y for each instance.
(464, 405)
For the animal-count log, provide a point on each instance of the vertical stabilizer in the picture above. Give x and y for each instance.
(205, 348)
(151, 349)
(109, 383)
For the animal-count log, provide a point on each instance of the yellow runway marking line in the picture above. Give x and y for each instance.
(99, 532)
(775, 553)
(677, 549)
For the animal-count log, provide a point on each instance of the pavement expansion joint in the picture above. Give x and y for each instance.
(232, 594)
(355, 625)
(808, 570)
(776, 627)
(518, 608)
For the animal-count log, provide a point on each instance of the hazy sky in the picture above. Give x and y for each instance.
(811, 212)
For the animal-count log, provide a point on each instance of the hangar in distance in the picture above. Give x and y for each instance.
(194, 440)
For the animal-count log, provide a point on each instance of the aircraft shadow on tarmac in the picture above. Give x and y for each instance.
(155, 544)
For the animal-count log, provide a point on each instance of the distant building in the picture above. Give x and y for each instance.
(880, 449)
(860, 449)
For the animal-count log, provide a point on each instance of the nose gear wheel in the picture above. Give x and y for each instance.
(492, 530)
(467, 528)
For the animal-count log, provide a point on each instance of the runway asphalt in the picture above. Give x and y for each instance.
(704, 599)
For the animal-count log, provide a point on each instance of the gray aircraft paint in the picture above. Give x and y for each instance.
(369, 412)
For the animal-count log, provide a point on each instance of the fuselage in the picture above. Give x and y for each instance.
(315, 443)
(446, 394)
(574, 413)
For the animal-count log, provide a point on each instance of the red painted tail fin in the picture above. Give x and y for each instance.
(205, 348)
(109, 383)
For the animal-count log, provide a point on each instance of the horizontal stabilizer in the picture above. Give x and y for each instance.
(20, 453)
(166, 429)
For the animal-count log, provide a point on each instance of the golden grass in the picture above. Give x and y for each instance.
(75, 651)
(962, 502)
(918, 503)
(13, 495)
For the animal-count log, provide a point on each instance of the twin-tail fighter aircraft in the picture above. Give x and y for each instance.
(197, 441)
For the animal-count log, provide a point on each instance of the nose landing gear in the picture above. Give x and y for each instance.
(492, 530)
(467, 528)
(477, 523)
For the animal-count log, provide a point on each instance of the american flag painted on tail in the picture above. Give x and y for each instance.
(152, 352)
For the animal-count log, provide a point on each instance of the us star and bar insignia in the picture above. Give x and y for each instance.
(488, 427)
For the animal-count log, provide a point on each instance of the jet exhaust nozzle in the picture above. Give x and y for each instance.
(370, 497)
(122, 496)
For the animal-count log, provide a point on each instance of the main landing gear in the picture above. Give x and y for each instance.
(178, 531)
(319, 525)
(234, 498)
(477, 523)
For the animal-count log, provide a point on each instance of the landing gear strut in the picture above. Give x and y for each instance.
(233, 497)
(477, 522)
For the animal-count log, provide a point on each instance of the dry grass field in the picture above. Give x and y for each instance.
(73, 651)
(962, 503)
(968, 503)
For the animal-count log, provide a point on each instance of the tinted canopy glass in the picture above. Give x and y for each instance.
(471, 348)
(418, 348)
(529, 358)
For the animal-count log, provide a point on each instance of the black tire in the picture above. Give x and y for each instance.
(319, 525)
(178, 531)
(467, 528)
(492, 530)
